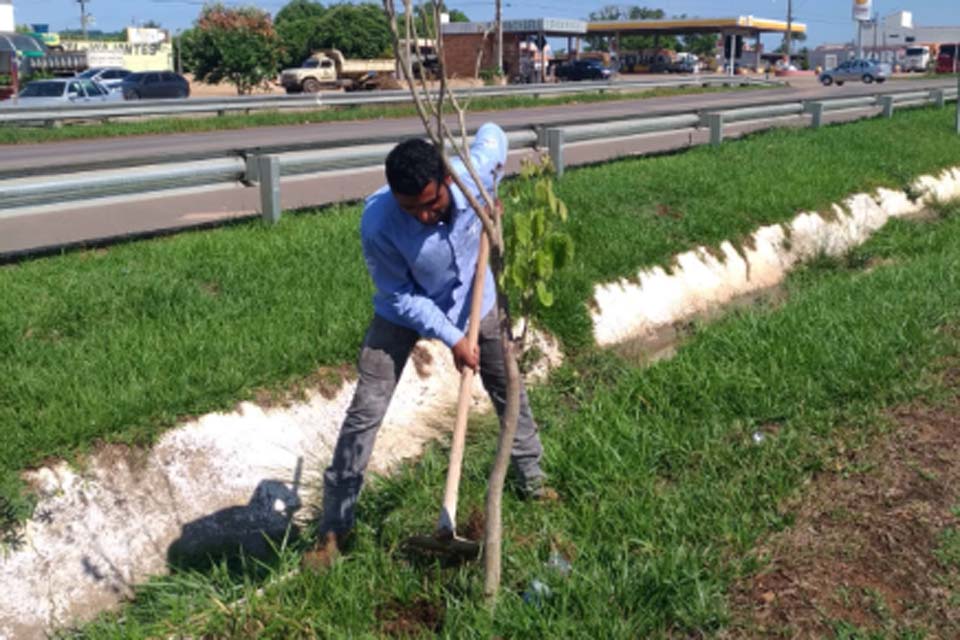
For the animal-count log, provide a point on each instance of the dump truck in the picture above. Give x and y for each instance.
(329, 69)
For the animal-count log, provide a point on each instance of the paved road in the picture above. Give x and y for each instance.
(40, 157)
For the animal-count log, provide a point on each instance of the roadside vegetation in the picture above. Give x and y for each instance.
(16, 134)
(118, 344)
(669, 475)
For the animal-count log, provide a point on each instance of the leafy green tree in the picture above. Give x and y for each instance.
(630, 43)
(296, 10)
(702, 44)
(358, 31)
(237, 45)
(537, 247)
(424, 17)
(297, 38)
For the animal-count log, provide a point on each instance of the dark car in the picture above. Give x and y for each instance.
(154, 84)
(583, 70)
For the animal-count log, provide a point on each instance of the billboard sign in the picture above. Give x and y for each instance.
(862, 10)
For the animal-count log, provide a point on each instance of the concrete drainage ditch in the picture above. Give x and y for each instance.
(226, 478)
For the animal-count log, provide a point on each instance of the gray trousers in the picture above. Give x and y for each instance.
(382, 358)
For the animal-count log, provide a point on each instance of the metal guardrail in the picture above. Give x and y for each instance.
(266, 169)
(13, 114)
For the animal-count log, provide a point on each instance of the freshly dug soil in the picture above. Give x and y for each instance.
(867, 551)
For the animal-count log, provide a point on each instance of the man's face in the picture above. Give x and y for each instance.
(431, 205)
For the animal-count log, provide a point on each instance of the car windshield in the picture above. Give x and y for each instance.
(916, 51)
(42, 90)
(89, 73)
(310, 63)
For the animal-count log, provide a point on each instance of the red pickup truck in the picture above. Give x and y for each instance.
(947, 60)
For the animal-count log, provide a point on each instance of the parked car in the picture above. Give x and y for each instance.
(110, 77)
(853, 70)
(583, 70)
(154, 84)
(63, 91)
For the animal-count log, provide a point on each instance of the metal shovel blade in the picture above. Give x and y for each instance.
(446, 546)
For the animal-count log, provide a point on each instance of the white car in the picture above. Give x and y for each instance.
(110, 77)
(64, 91)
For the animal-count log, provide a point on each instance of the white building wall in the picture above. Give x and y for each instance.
(899, 30)
(6, 15)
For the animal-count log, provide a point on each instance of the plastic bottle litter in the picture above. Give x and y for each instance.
(758, 437)
(559, 564)
(537, 592)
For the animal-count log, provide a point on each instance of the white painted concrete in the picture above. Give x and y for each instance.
(629, 309)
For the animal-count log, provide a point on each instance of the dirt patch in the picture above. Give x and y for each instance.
(866, 549)
(410, 619)
(327, 381)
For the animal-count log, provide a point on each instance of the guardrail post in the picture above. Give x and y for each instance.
(815, 109)
(886, 103)
(555, 148)
(541, 136)
(939, 98)
(268, 168)
(715, 122)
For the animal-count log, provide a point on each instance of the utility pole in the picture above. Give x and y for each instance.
(958, 99)
(84, 18)
(498, 21)
(860, 39)
(789, 41)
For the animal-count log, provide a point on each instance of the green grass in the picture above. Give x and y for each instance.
(119, 344)
(665, 491)
(16, 134)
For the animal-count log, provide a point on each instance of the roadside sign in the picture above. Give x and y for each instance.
(862, 10)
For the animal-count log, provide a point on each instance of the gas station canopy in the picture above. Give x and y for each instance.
(741, 25)
(19, 43)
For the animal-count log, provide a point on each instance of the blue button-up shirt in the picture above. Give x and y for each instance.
(423, 274)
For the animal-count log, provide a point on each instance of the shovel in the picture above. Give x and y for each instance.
(445, 541)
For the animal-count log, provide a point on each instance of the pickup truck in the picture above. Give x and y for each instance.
(329, 69)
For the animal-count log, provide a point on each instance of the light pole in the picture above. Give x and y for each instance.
(498, 19)
(789, 30)
(179, 54)
(84, 18)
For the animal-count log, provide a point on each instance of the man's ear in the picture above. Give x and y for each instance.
(448, 179)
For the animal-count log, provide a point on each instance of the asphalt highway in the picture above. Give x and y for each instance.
(17, 159)
(55, 227)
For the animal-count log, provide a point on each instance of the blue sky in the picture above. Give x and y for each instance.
(827, 20)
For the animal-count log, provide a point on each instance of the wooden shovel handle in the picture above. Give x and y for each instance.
(448, 513)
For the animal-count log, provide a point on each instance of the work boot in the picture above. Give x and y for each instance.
(323, 554)
(538, 490)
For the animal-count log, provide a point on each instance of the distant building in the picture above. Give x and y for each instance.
(6, 16)
(898, 29)
(887, 41)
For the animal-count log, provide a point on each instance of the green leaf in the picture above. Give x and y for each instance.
(522, 230)
(544, 264)
(544, 296)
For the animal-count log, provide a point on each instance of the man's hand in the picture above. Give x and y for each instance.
(463, 355)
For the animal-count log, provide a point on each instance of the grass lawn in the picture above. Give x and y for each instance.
(665, 490)
(16, 134)
(118, 344)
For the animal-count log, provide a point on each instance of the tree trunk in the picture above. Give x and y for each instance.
(493, 527)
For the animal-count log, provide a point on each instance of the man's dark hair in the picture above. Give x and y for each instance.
(412, 165)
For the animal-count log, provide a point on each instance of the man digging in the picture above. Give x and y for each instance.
(421, 241)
